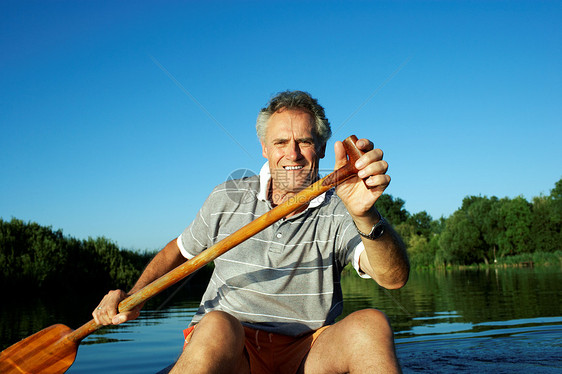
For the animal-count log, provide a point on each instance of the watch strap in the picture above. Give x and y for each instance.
(376, 231)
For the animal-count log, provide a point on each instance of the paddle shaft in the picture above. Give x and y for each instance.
(297, 201)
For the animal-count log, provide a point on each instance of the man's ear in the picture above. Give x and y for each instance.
(263, 149)
(321, 152)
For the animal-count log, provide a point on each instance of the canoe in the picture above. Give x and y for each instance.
(167, 369)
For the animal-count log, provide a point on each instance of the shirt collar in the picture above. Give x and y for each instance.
(265, 176)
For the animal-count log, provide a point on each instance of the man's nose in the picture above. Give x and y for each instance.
(293, 151)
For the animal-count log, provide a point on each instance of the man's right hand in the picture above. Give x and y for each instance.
(107, 312)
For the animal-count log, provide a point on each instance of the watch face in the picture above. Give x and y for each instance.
(378, 231)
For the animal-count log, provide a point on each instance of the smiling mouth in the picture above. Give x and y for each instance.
(293, 167)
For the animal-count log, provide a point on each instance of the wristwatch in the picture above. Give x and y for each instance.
(376, 231)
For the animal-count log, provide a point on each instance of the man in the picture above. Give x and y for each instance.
(271, 304)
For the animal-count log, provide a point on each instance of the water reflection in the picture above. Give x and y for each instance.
(460, 299)
(501, 320)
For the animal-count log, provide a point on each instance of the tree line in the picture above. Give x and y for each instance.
(483, 230)
(34, 257)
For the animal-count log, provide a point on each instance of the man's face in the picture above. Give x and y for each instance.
(292, 150)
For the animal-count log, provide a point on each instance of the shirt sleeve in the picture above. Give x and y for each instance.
(197, 236)
(359, 249)
(184, 251)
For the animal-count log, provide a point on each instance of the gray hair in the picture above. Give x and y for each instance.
(295, 100)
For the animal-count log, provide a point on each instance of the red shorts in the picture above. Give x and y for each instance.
(270, 353)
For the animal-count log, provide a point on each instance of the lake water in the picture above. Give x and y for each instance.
(500, 321)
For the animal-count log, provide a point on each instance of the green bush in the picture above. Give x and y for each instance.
(33, 257)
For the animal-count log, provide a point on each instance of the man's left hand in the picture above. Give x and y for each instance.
(360, 193)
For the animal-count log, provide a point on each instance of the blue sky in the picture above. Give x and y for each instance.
(118, 118)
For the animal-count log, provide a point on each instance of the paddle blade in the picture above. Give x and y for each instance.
(48, 351)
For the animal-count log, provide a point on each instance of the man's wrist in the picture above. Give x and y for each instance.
(376, 231)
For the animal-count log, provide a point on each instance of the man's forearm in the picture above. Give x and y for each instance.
(167, 259)
(388, 259)
(385, 258)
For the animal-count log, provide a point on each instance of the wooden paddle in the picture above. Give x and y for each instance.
(53, 350)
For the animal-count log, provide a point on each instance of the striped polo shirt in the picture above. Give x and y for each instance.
(285, 279)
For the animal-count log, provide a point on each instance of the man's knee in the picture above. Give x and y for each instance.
(371, 336)
(361, 342)
(369, 324)
(221, 324)
(220, 318)
(216, 345)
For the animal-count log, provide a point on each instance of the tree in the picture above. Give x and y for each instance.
(544, 228)
(556, 200)
(30, 254)
(33, 257)
(422, 224)
(484, 215)
(392, 209)
(461, 241)
(515, 236)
